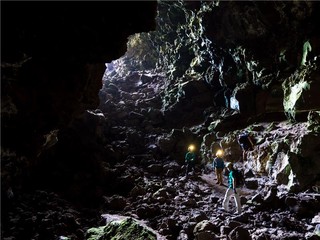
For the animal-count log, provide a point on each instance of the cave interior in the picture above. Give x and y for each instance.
(101, 101)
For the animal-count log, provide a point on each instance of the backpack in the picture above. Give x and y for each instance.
(243, 138)
(218, 162)
(239, 178)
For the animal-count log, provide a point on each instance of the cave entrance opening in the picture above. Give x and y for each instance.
(132, 84)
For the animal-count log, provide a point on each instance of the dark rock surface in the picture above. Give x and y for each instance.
(80, 143)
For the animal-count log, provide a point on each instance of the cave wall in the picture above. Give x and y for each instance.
(243, 51)
(229, 64)
(53, 58)
(214, 54)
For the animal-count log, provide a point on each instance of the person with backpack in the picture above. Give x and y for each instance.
(246, 143)
(218, 166)
(231, 190)
(190, 159)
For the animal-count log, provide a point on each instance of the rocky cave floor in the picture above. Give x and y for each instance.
(139, 107)
(175, 206)
(163, 198)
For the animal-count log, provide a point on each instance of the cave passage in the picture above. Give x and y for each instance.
(98, 114)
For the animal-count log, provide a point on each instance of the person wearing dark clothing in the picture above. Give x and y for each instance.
(218, 166)
(190, 159)
(246, 143)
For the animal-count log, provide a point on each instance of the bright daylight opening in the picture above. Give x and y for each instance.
(131, 84)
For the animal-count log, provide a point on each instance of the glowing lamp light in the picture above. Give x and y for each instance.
(191, 147)
(219, 152)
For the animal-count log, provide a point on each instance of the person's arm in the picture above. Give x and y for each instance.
(250, 140)
(234, 183)
(238, 140)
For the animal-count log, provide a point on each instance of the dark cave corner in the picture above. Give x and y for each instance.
(99, 103)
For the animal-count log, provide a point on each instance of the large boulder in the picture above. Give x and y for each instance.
(122, 228)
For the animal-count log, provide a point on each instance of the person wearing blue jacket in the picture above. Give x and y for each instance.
(218, 166)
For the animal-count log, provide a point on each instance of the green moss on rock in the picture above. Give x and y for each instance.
(121, 230)
(95, 233)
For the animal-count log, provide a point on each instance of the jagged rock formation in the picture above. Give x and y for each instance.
(120, 227)
(201, 73)
(249, 82)
(53, 62)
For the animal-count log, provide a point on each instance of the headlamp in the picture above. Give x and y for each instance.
(219, 152)
(191, 147)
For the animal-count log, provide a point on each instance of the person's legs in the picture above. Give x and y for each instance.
(243, 152)
(187, 169)
(226, 199)
(245, 147)
(193, 166)
(190, 167)
(238, 203)
(219, 175)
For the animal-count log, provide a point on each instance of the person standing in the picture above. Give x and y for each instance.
(218, 166)
(231, 191)
(190, 159)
